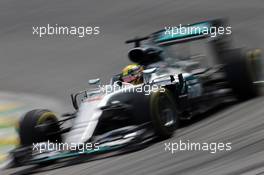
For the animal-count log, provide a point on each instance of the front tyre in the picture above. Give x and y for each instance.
(30, 131)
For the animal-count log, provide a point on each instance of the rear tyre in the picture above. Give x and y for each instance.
(239, 73)
(163, 114)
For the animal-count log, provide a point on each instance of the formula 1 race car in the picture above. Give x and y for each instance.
(120, 116)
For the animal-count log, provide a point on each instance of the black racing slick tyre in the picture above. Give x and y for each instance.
(29, 131)
(163, 113)
(240, 74)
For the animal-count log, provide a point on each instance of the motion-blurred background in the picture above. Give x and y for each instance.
(44, 71)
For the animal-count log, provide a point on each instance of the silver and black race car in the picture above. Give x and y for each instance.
(120, 116)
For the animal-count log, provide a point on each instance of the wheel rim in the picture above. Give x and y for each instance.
(166, 112)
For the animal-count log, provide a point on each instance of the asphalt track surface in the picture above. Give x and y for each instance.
(60, 65)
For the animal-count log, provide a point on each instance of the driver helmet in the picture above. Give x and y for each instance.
(133, 74)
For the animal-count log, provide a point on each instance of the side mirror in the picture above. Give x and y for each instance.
(150, 71)
(74, 101)
(147, 74)
(94, 81)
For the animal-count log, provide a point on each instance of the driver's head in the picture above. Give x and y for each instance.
(133, 74)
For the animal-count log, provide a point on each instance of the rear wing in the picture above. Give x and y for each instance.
(185, 33)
